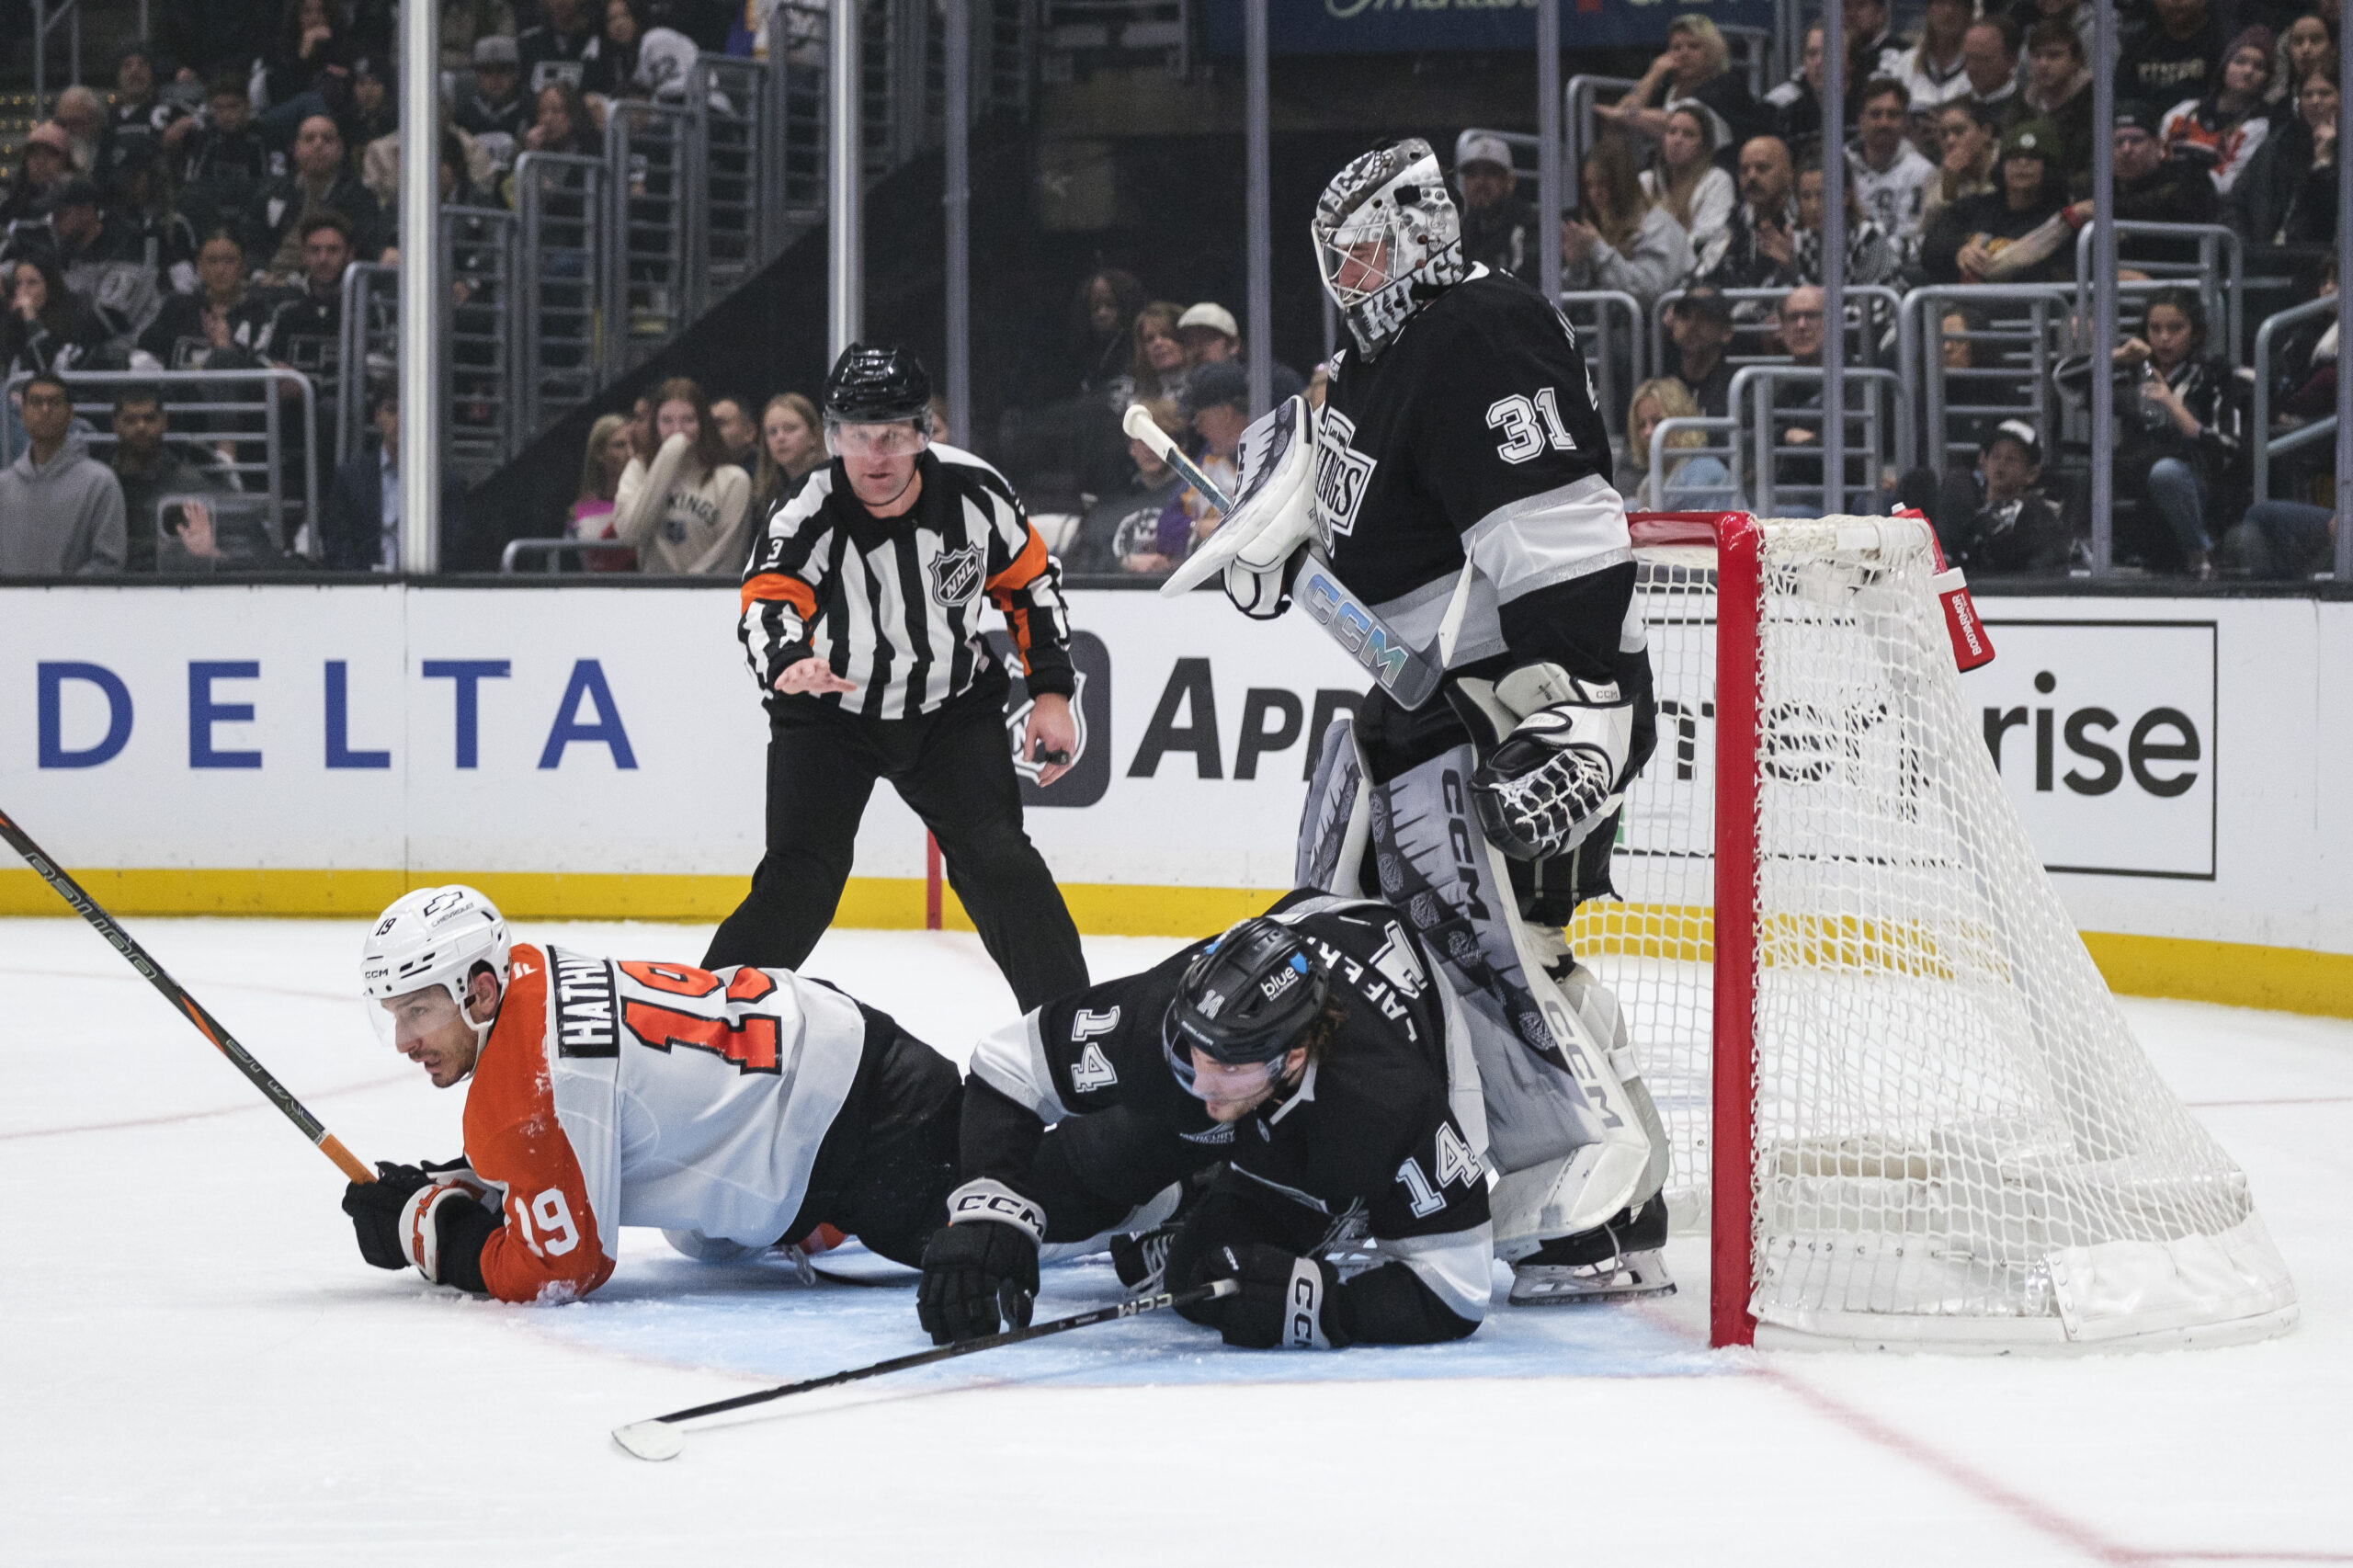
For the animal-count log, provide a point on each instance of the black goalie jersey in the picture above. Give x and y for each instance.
(1077, 1107)
(1474, 436)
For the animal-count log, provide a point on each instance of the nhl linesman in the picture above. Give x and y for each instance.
(862, 621)
(1459, 479)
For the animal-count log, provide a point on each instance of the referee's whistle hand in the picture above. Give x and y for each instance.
(811, 674)
(1050, 729)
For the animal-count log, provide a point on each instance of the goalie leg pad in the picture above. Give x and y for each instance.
(1336, 820)
(1550, 1100)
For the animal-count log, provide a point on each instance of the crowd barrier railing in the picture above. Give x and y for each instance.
(1660, 490)
(215, 416)
(2220, 272)
(570, 297)
(2266, 445)
(1589, 312)
(371, 335)
(481, 353)
(653, 224)
(1878, 449)
(1864, 303)
(2047, 332)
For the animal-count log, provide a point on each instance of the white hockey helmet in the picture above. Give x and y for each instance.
(1387, 237)
(431, 937)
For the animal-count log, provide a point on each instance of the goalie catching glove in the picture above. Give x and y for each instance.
(1258, 546)
(1559, 773)
(980, 1270)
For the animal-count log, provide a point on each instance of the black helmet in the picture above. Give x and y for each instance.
(877, 386)
(1248, 997)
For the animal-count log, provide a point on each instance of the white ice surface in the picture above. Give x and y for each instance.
(196, 1367)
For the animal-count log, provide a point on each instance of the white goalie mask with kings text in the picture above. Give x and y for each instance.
(1387, 237)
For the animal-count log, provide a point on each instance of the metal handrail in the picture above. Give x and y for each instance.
(1916, 369)
(1578, 122)
(2210, 237)
(1882, 293)
(350, 409)
(1756, 381)
(600, 346)
(272, 377)
(2264, 446)
(510, 560)
(1655, 499)
(1604, 300)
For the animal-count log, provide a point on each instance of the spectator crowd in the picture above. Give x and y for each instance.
(204, 214)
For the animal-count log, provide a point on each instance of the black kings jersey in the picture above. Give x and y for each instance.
(1474, 436)
(1078, 1107)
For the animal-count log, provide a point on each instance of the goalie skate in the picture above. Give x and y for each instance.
(1622, 1277)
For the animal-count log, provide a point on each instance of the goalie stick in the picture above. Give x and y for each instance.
(1406, 673)
(664, 1437)
(206, 1024)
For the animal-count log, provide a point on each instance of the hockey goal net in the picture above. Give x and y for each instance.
(1898, 1092)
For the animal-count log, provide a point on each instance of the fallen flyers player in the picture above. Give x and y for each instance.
(1314, 1051)
(735, 1109)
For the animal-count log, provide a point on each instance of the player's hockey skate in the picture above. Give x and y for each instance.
(1620, 1261)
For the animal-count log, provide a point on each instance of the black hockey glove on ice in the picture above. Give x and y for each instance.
(1286, 1299)
(375, 1210)
(980, 1270)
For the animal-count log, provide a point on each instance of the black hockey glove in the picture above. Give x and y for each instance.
(1285, 1299)
(375, 1209)
(980, 1270)
(1555, 776)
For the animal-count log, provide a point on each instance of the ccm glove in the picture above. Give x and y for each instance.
(980, 1270)
(375, 1209)
(1285, 1299)
(1556, 777)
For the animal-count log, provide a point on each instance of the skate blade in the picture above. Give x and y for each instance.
(1637, 1275)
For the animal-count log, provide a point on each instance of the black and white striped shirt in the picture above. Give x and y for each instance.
(893, 604)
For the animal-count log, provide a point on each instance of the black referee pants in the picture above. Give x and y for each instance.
(954, 768)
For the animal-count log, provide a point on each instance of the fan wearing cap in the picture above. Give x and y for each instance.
(860, 618)
(735, 1111)
(1210, 336)
(1498, 227)
(2012, 527)
(2151, 187)
(1315, 1053)
(2022, 231)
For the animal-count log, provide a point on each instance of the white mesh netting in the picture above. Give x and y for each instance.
(1957, 1138)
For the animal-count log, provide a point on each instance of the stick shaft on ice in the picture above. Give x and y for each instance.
(206, 1024)
(642, 1438)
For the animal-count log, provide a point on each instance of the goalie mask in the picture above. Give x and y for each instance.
(430, 940)
(1387, 238)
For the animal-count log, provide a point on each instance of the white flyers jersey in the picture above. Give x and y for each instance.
(684, 1099)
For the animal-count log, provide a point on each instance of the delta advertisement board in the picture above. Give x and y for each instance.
(2175, 761)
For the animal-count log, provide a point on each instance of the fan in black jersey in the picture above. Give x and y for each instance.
(1461, 488)
(1309, 1051)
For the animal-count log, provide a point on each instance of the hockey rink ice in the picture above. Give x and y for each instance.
(197, 1366)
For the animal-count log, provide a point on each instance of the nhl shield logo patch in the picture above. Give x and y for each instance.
(956, 574)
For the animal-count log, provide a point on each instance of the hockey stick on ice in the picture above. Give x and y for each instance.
(1408, 672)
(206, 1024)
(664, 1437)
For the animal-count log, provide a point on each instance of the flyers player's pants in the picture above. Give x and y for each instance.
(954, 769)
(888, 1162)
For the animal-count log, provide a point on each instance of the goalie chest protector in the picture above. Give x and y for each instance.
(1483, 402)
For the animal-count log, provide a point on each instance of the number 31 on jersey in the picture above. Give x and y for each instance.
(1530, 425)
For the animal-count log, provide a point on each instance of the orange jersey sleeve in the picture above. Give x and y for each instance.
(552, 1247)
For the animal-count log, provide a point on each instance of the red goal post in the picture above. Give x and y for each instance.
(1873, 1033)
